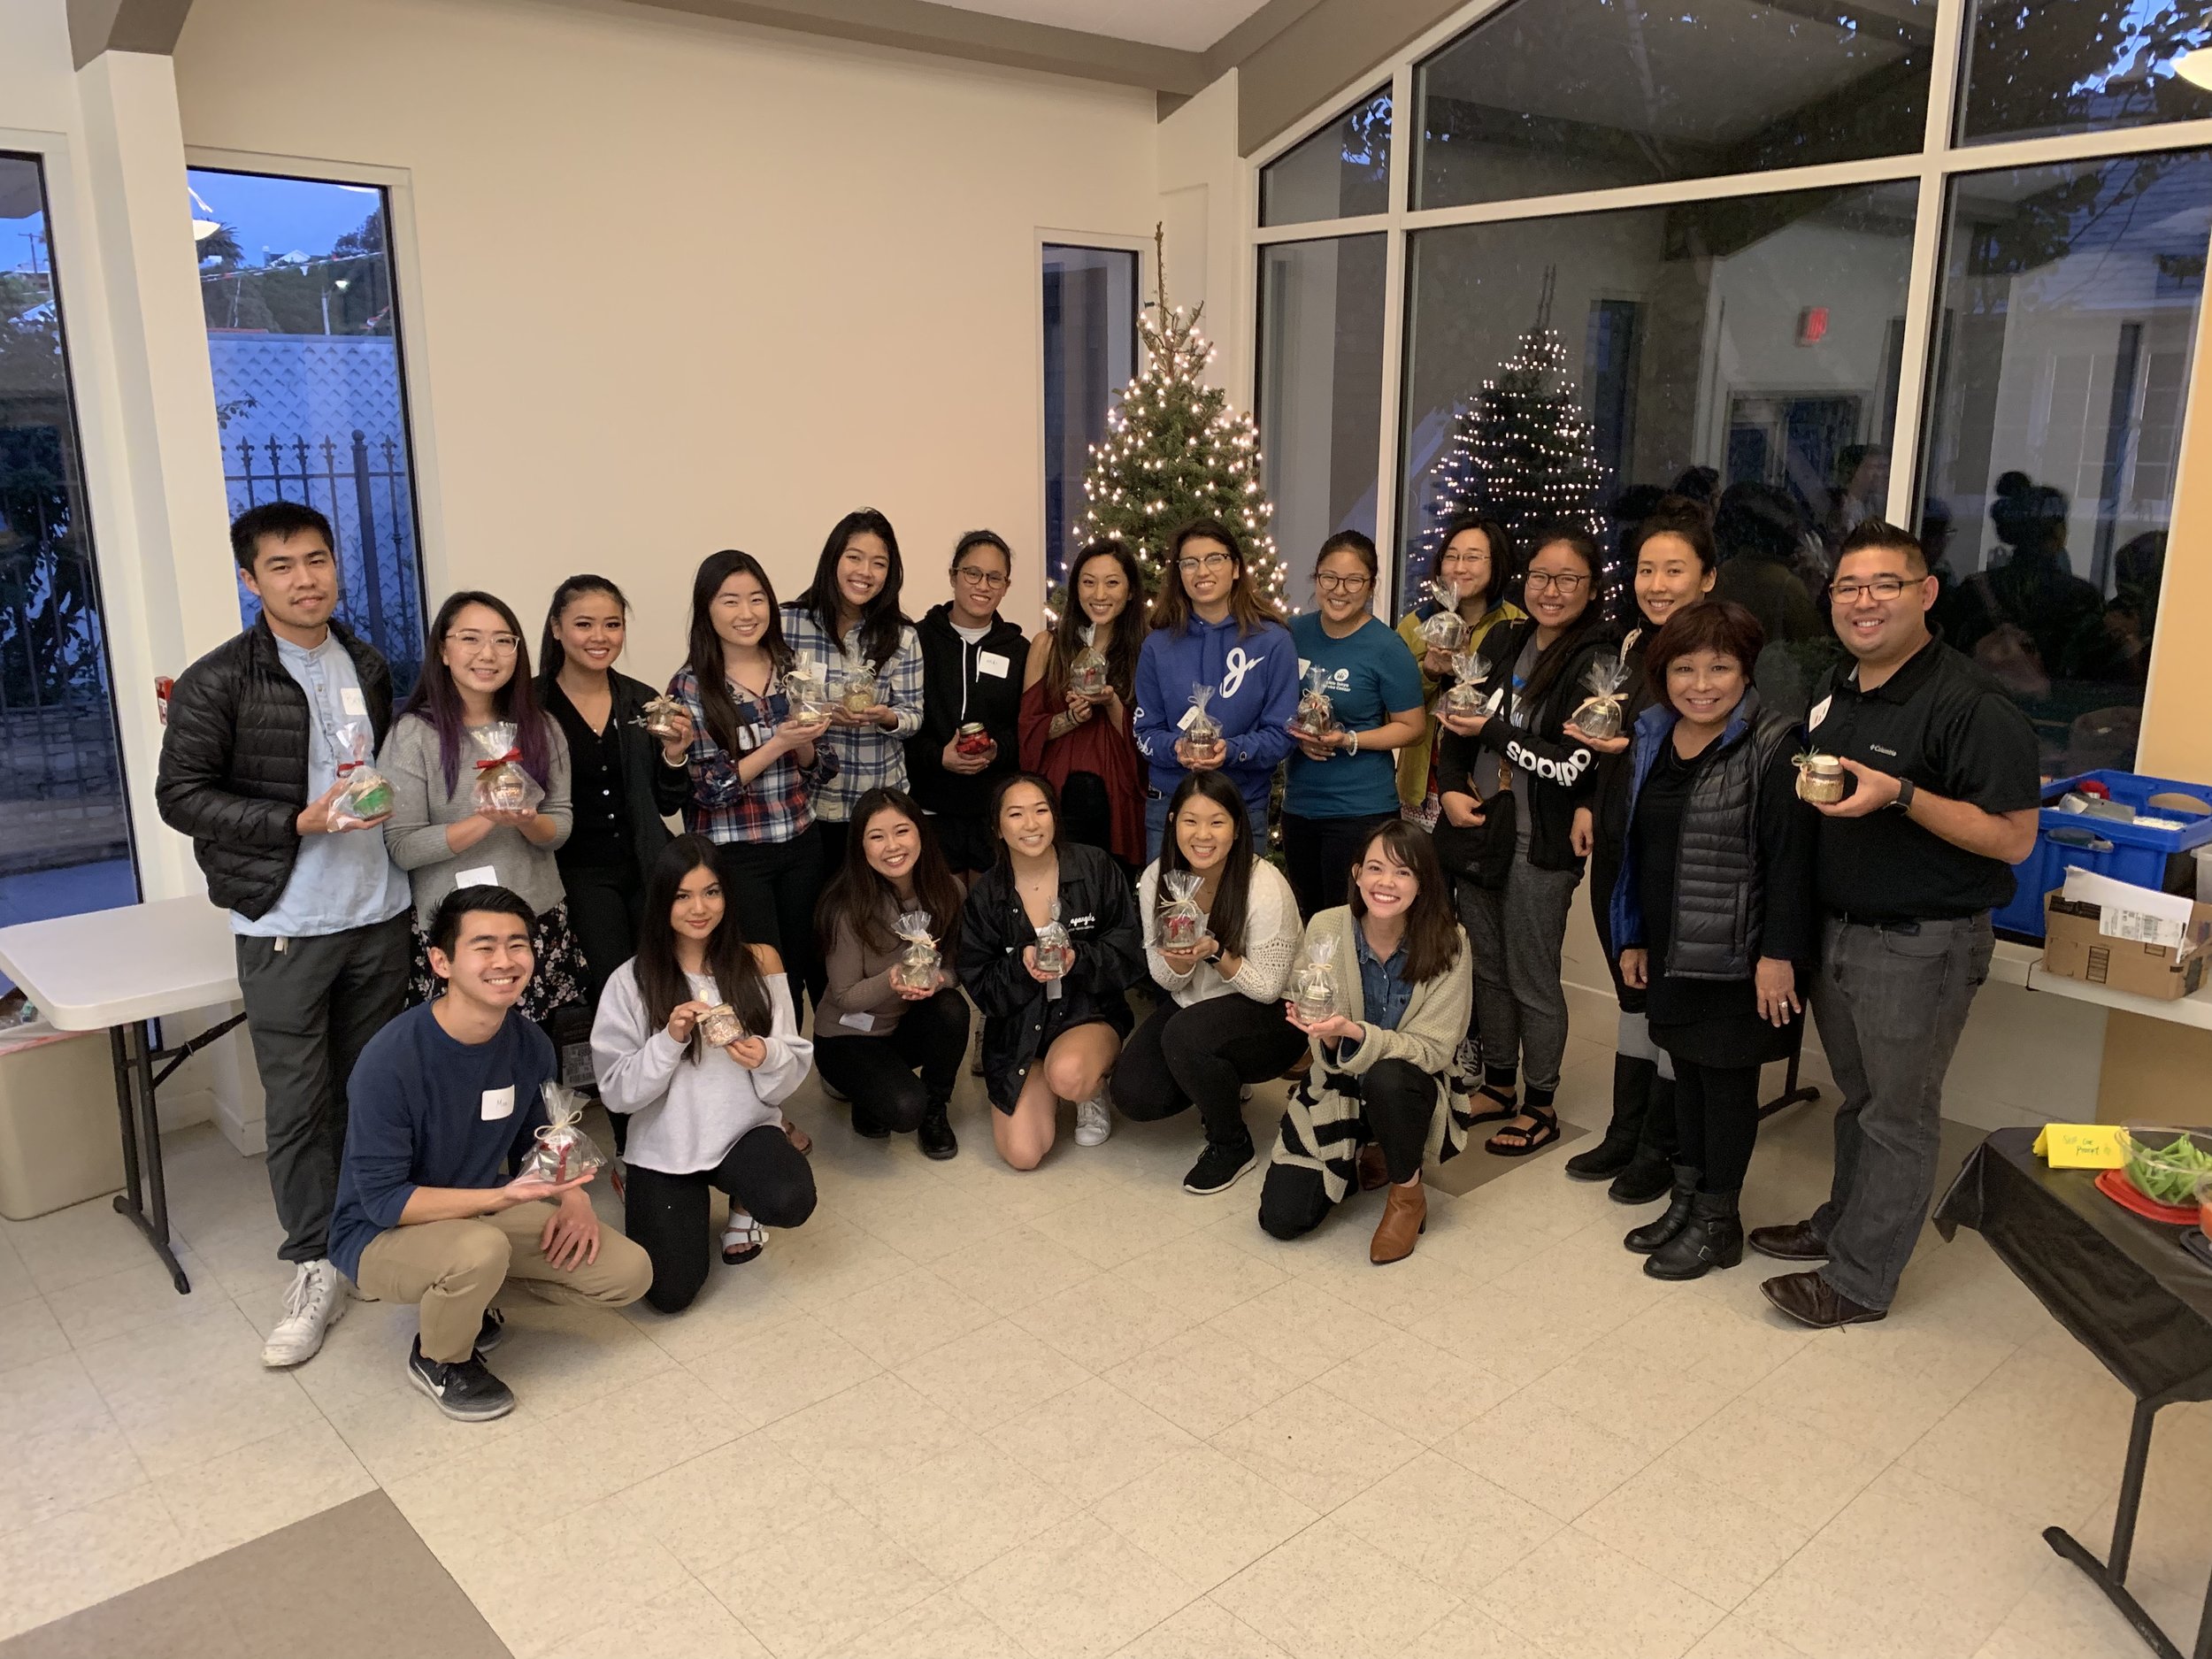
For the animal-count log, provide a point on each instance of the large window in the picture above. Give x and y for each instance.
(1767, 258)
(64, 829)
(1090, 340)
(302, 336)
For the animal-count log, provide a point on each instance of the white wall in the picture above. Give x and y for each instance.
(1206, 208)
(684, 286)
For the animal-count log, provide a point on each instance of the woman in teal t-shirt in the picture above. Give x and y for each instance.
(1343, 781)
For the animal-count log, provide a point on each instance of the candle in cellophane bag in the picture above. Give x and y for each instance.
(1316, 715)
(920, 967)
(502, 785)
(1182, 924)
(1313, 982)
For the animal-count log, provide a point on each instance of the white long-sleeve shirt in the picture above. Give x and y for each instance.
(1271, 932)
(686, 1118)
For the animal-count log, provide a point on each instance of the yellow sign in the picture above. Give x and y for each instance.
(2081, 1146)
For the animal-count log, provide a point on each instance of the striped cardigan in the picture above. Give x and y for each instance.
(1324, 1125)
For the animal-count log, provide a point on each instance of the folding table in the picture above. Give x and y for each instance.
(118, 970)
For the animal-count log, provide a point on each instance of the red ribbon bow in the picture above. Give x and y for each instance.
(499, 760)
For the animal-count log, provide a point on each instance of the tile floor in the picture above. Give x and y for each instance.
(966, 1412)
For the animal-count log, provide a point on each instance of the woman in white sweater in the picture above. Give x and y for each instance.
(1222, 1025)
(699, 1117)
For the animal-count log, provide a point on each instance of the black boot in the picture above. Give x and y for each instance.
(1651, 1172)
(1649, 1237)
(1632, 1077)
(1714, 1238)
(934, 1134)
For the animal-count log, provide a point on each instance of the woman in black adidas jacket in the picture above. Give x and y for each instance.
(1516, 764)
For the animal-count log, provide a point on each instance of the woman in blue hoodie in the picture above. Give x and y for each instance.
(1213, 627)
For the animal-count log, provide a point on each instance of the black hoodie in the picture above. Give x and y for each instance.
(962, 683)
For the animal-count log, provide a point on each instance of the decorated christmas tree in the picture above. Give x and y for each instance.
(1520, 447)
(1175, 450)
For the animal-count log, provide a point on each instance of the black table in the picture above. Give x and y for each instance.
(2126, 1290)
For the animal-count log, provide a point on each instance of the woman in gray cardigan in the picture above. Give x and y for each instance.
(1382, 1096)
(438, 835)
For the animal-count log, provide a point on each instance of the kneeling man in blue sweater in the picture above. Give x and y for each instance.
(446, 1102)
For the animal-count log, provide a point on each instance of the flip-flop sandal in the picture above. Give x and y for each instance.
(742, 1239)
(1507, 1106)
(1535, 1138)
(801, 1141)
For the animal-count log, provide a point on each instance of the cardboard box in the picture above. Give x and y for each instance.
(2080, 943)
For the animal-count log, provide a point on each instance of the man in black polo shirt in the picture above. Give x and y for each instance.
(1944, 789)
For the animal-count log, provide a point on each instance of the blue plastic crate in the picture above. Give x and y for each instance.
(2144, 857)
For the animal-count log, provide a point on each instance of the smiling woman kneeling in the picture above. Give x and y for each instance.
(1381, 1096)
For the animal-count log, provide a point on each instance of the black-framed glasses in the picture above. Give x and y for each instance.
(1209, 563)
(1883, 588)
(1558, 581)
(1333, 583)
(981, 578)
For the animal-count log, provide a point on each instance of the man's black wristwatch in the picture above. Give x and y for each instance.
(1905, 792)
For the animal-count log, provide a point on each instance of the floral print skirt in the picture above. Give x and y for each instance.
(557, 981)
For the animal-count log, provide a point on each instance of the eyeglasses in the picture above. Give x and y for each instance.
(501, 645)
(1210, 564)
(1335, 584)
(1883, 588)
(981, 578)
(1558, 581)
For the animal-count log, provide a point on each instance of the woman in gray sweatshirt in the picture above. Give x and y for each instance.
(479, 678)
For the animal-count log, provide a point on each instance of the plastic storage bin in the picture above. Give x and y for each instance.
(2159, 858)
(60, 1139)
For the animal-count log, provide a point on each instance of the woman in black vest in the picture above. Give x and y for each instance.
(1713, 914)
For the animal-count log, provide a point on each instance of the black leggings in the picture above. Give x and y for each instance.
(1320, 853)
(1716, 1122)
(667, 1214)
(1399, 1100)
(605, 908)
(1204, 1053)
(878, 1073)
(772, 885)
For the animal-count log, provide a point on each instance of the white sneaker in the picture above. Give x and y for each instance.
(1093, 1122)
(316, 1302)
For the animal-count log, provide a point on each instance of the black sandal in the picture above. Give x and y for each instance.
(1538, 1135)
(1506, 1108)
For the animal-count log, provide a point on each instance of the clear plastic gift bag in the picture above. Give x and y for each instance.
(919, 967)
(1087, 674)
(1313, 982)
(365, 795)
(1201, 730)
(563, 1150)
(1316, 715)
(502, 785)
(719, 1026)
(1469, 671)
(1055, 951)
(807, 693)
(1182, 924)
(1447, 630)
(856, 692)
(1599, 715)
(659, 716)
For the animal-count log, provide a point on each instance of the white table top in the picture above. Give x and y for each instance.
(111, 967)
(2180, 1010)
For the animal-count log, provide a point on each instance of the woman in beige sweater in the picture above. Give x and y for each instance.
(1382, 1096)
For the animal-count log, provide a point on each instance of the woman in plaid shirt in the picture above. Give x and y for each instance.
(849, 623)
(755, 771)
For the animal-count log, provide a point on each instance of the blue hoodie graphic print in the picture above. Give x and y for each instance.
(1254, 683)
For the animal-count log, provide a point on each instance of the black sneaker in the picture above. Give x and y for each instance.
(494, 1331)
(1219, 1165)
(466, 1391)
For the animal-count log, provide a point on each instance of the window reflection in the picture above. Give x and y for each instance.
(1341, 172)
(1546, 96)
(2036, 67)
(2068, 314)
(1090, 326)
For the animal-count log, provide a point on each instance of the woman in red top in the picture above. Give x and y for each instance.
(1078, 739)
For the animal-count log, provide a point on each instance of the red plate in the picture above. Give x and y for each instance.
(2115, 1184)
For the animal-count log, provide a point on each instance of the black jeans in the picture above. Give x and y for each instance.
(878, 1073)
(773, 887)
(311, 1006)
(1401, 1103)
(1320, 853)
(1204, 1053)
(667, 1215)
(1716, 1122)
(606, 907)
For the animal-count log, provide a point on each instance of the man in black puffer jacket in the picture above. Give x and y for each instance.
(258, 729)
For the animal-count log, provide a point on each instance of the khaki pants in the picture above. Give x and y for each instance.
(454, 1268)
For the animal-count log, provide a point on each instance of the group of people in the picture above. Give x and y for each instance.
(896, 825)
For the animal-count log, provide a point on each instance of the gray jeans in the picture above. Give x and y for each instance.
(1515, 934)
(1891, 1005)
(311, 1006)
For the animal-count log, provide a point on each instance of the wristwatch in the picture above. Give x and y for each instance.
(1905, 793)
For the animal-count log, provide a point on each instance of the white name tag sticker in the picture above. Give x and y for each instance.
(1305, 667)
(1819, 713)
(482, 875)
(991, 663)
(498, 1103)
(858, 1022)
(353, 703)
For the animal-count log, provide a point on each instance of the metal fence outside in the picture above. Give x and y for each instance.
(61, 795)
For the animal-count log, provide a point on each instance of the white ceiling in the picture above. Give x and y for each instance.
(1190, 24)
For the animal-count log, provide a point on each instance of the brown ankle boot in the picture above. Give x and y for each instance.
(1405, 1218)
(1374, 1174)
